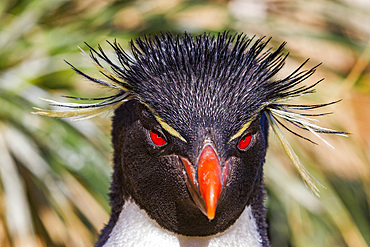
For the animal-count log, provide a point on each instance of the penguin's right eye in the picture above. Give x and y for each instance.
(157, 138)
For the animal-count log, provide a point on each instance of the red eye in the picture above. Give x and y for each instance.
(244, 143)
(157, 138)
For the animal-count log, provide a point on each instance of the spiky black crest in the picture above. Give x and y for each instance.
(203, 81)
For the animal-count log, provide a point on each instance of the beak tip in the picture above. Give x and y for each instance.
(211, 204)
(211, 215)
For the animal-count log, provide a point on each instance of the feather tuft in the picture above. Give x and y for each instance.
(77, 111)
(310, 180)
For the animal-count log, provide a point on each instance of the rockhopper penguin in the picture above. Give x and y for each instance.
(190, 127)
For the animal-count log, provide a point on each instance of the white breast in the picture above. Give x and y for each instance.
(135, 228)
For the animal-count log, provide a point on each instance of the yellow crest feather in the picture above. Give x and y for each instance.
(306, 175)
(169, 129)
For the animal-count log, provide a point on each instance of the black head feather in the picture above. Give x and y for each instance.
(202, 81)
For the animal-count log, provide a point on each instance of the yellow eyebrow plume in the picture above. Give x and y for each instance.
(242, 129)
(305, 174)
(169, 129)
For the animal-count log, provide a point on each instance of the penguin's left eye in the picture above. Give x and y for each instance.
(157, 138)
(244, 142)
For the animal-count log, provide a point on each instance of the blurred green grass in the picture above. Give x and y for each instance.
(54, 173)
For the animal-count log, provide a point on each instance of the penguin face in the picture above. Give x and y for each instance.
(194, 188)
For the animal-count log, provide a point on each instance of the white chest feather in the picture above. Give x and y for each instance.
(135, 228)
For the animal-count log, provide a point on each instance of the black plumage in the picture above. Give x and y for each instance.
(191, 91)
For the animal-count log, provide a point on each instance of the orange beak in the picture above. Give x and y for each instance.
(206, 191)
(209, 179)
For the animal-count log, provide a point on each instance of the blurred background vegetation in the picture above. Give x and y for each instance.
(54, 173)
